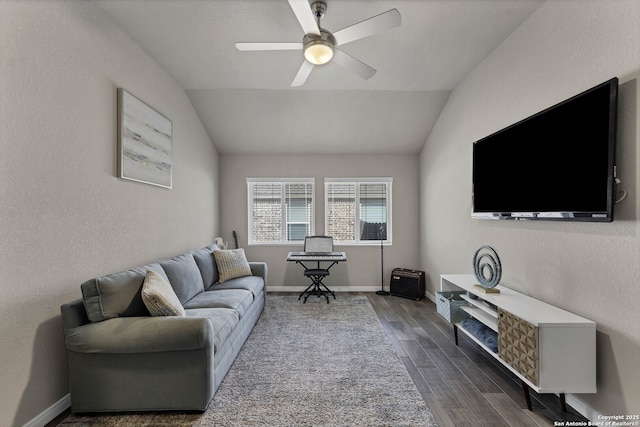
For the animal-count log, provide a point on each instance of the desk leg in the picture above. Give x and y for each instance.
(316, 287)
(305, 291)
(327, 290)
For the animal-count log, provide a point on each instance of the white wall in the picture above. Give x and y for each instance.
(64, 216)
(362, 271)
(591, 269)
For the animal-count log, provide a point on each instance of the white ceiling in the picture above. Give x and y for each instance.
(245, 100)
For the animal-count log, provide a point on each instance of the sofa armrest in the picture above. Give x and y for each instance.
(259, 269)
(73, 314)
(141, 335)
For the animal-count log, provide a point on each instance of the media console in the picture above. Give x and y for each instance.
(549, 349)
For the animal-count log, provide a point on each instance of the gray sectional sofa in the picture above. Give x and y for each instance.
(120, 358)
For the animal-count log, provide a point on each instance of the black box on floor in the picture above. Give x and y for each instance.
(407, 283)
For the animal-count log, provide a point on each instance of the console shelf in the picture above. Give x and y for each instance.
(477, 341)
(483, 316)
(551, 350)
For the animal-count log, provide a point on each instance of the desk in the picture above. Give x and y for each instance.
(317, 274)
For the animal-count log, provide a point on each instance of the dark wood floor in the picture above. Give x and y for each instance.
(462, 385)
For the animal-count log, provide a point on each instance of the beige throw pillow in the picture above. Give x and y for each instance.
(159, 297)
(231, 263)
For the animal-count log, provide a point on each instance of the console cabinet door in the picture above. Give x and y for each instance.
(518, 345)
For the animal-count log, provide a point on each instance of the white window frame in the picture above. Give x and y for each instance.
(357, 242)
(283, 218)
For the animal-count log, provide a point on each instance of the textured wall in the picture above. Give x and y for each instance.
(363, 266)
(64, 216)
(590, 269)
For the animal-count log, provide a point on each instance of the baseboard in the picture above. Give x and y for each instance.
(50, 413)
(299, 289)
(583, 409)
(432, 297)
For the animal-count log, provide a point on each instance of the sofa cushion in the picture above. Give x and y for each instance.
(255, 284)
(224, 321)
(117, 294)
(207, 265)
(184, 276)
(159, 298)
(237, 299)
(231, 263)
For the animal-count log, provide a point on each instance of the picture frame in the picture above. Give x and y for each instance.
(144, 142)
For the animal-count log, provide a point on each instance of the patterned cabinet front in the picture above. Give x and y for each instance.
(518, 345)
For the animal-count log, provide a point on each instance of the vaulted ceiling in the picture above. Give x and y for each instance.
(245, 100)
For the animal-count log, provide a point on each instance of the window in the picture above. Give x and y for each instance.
(358, 210)
(280, 210)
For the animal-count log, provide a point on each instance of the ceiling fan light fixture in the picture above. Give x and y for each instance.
(318, 52)
(319, 45)
(319, 49)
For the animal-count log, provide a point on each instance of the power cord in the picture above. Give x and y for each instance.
(623, 193)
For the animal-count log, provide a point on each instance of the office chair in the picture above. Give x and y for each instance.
(318, 245)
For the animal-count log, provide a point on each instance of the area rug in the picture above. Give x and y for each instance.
(313, 364)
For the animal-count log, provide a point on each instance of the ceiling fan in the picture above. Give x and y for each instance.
(320, 45)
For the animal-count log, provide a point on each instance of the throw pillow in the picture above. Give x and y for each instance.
(232, 263)
(159, 297)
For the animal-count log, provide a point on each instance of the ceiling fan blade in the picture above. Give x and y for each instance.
(303, 73)
(302, 10)
(368, 27)
(268, 46)
(353, 64)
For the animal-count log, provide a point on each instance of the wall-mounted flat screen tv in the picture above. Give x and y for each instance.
(558, 164)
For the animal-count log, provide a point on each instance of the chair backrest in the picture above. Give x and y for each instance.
(318, 244)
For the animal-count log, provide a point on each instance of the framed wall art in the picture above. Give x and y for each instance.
(144, 142)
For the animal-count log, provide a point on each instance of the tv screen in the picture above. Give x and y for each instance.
(558, 164)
